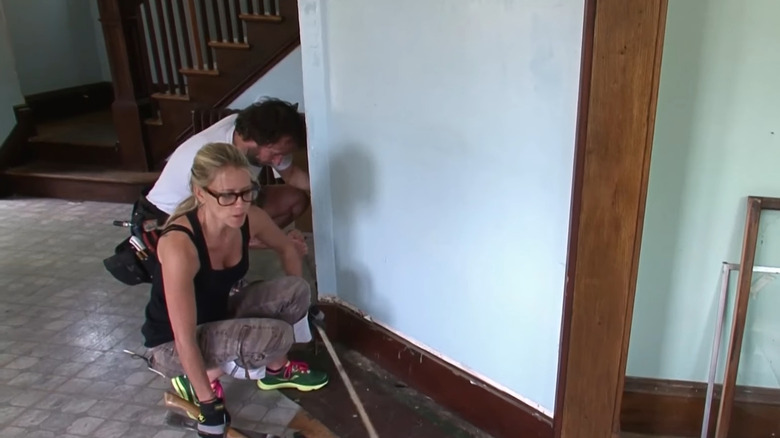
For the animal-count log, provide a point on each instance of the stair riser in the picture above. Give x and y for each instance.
(74, 190)
(176, 112)
(75, 153)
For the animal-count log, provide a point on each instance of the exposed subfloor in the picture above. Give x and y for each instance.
(64, 322)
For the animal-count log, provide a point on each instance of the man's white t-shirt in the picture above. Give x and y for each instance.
(173, 185)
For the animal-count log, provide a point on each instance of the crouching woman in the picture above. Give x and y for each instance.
(201, 321)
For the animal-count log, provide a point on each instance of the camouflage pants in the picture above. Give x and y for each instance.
(259, 331)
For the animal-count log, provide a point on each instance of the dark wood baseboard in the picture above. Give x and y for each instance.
(668, 407)
(465, 395)
(68, 102)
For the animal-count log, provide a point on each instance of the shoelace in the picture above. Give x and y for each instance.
(294, 365)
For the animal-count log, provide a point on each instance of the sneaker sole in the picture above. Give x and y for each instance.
(302, 388)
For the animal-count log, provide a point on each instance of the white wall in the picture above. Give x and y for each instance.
(441, 139)
(283, 81)
(10, 94)
(717, 141)
(55, 43)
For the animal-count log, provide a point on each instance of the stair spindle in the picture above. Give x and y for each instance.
(217, 20)
(228, 21)
(186, 32)
(145, 67)
(250, 6)
(175, 43)
(195, 34)
(239, 23)
(165, 46)
(159, 84)
(206, 37)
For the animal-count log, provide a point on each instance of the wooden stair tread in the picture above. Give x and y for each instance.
(229, 45)
(261, 18)
(199, 72)
(79, 172)
(169, 96)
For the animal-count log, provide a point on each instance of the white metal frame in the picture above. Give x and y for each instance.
(724, 290)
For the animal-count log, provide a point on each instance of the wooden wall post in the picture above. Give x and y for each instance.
(622, 46)
(122, 33)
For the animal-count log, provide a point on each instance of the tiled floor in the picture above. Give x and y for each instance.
(64, 322)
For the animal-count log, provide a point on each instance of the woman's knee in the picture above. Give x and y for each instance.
(264, 339)
(300, 297)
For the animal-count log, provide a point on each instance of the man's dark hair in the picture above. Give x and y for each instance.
(270, 120)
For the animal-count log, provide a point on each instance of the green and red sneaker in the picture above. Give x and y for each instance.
(295, 375)
(183, 387)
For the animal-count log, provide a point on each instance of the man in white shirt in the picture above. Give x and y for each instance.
(268, 132)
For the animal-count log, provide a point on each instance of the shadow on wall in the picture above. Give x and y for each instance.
(353, 187)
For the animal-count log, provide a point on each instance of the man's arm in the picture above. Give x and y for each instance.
(261, 226)
(296, 177)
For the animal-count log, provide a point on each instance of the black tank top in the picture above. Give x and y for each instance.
(212, 287)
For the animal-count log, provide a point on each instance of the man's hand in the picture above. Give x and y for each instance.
(297, 237)
(213, 419)
(299, 241)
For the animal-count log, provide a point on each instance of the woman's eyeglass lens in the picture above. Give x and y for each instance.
(228, 199)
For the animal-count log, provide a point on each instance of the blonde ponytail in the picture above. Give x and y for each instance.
(209, 160)
(185, 207)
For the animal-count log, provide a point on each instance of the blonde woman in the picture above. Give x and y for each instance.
(195, 329)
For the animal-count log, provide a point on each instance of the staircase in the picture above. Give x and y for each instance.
(168, 58)
(231, 45)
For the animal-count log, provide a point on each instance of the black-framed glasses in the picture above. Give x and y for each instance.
(226, 199)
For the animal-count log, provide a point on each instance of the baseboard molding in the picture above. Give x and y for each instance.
(670, 407)
(468, 396)
(71, 101)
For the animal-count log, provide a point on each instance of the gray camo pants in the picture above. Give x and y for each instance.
(259, 331)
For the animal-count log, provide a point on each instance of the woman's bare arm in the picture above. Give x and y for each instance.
(179, 259)
(264, 228)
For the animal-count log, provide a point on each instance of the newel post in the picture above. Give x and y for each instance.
(122, 33)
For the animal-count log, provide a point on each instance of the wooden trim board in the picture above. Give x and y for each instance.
(755, 205)
(622, 48)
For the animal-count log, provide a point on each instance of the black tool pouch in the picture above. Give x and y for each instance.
(126, 267)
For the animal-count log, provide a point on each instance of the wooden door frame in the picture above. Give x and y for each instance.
(620, 70)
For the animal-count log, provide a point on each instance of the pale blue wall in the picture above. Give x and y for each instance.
(717, 140)
(55, 43)
(10, 94)
(441, 150)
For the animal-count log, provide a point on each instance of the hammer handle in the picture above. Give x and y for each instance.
(348, 383)
(179, 403)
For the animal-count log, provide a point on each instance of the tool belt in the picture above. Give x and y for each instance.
(135, 258)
